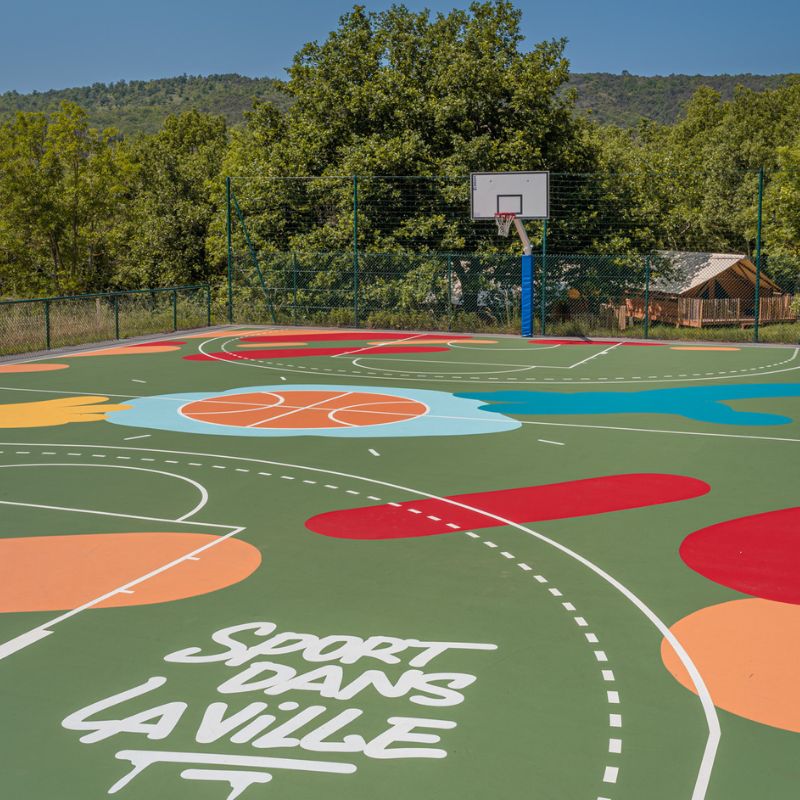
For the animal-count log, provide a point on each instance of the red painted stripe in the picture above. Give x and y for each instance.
(527, 504)
(246, 355)
(346, 336)
(757, 555)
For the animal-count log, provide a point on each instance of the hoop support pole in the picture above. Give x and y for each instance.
(527, 295)
(527, 279)
(523, 235)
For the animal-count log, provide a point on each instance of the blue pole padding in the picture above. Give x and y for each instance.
(527, 295)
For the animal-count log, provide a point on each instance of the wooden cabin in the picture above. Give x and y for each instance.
(699, 290)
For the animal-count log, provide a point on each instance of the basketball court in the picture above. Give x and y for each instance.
(457, 566)
(265, 561)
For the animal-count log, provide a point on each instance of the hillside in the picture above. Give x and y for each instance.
(625, 99)
(141, 106)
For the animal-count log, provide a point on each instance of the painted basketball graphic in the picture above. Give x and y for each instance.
(304, 409)
(314, 410)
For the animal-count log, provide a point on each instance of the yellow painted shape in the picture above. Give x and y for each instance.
(706, 348)
(62, 411)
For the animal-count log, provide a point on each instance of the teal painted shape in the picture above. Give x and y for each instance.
(699, 403)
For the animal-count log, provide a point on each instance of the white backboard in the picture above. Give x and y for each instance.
(526, 194)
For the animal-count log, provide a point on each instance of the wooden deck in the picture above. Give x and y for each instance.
(693, 312)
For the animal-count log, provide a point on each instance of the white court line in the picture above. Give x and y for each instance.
(73, 464)
(22, 641)
(547, 441)
(40, 631)
(374, 452)
(131, 438)
(382, 344)
(456, 345)
(712, 720)
(118, 343)
(658, 430)
(601, 353)
(749, 373)
(394, 360)
(298, 409)
(487, 420)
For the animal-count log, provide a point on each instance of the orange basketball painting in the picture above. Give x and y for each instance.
(304, 409)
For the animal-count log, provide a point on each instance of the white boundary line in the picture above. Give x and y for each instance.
(89, 348)
(709, 710)
(184, 518)
(601, 353)
(382, 344)
(244, 362)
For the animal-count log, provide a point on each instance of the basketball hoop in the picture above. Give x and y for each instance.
(504, 219)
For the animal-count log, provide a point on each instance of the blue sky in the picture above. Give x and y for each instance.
(51, 44)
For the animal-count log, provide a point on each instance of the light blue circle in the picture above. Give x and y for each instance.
(447, 415)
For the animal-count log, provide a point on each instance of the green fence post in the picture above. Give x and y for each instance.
(542, 280)
(208, 305)
(47, 324)
(116, 316)
(647, 297)
(757, 310)
(355, 249)
(449, 291)
(230, 250)
(294, 288)
(174, 310)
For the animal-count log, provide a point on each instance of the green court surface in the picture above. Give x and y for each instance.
(352, 564)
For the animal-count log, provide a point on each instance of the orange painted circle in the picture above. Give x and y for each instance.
(747, 652)
(299, 409)
(31, 367)
(52, 573)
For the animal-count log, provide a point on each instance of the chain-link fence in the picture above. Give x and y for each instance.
(403, 252)
(440, 291)
(48, 323)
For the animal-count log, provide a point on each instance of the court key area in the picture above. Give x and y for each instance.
(301, 563)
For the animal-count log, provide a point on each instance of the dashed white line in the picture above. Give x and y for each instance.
(610, 775)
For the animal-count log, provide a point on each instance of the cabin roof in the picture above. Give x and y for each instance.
(687, 270)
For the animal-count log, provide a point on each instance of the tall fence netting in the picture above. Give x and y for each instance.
(403, 252)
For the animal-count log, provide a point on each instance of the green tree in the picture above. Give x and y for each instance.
(62, 190)
(174, 198)
(404, 93)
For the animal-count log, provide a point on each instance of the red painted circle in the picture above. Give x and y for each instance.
(758, 555)
(296, 409)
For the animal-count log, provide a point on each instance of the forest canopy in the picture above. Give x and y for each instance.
(85, 208)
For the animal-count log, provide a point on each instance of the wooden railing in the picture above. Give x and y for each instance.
(694, 312)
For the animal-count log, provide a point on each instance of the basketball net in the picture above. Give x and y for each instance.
(504, 220)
